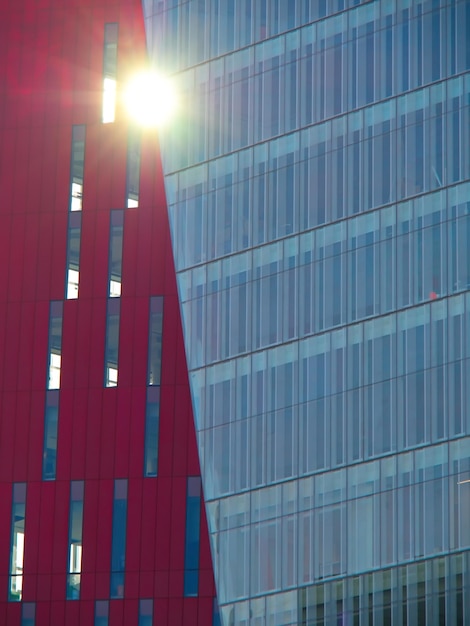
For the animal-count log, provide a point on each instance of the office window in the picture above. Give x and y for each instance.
(118, 542)
(112, 343)
(155, 340)
(109, 73)
(51, 420)
(145, 612)
(17, 542)
(74, 566)
(133, 169)
(55, 345)
(152, 414)
(153, 381)
(28, 614)
(193, 515)
(115, 254)
(76, 167)
(101, 612)
(73, 256)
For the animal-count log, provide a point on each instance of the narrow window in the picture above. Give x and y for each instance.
(51, 420)
(73, 256)
(145, 612)
(17, 541)
(109, 73)
(193, 514)
(74, 566)
(115, 254)
(28, 614)
(76, 167)
(133, 169)
(75, 207)
(118, 543)
(101, 612)
(155, 340)
(55, 345)
(112, 343)
(152, 412)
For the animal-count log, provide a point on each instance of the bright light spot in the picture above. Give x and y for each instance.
(151, 99)
(109, 100)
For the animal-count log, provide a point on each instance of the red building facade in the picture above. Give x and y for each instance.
(101, 519)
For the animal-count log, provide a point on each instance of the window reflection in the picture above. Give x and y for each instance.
(17, 542)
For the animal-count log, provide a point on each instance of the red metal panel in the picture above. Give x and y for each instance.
(77, 458)
(61, 530)
(26, 340)
(147, 529)
(103, 520)
(20, 454)
(97, 332)
(108, 433)
(65, 429)
(93, 434)
(116, 612)
(36, 435)
(46, 528)
(40, 341)
(137, 433)
(139, 344)
(53, 57)
(122, 419)
(72, 614)
(190, 612)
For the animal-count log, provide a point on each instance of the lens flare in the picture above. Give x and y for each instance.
(151, 99)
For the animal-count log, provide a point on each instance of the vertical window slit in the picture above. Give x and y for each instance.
(133, 169)
(109, 73)
(193, 515)
(112, 343)
(153, 381)
(118, 542)
(17, 543)
(28, 614)
(75, 207)
(115, 254)
(145, 612)
(101, 612)
(74, 563)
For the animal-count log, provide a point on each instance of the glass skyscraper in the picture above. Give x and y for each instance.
(318, 185)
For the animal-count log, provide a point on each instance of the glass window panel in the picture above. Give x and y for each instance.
(17, 543)
(28, 614)
(152, 414)
(133, 168)
(76, 167)
(109, 73)
(101, 612)
(51, 419)
(55, 345)
(115, 254)
(145, 612)
(73, 256)
(193, 515)
(74, 566)
(118, 541)
(112, 343)
(155, 340)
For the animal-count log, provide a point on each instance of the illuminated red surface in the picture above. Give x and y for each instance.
(51, 55)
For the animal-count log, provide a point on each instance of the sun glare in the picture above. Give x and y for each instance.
(150, 99)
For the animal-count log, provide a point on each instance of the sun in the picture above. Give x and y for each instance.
(151, 99)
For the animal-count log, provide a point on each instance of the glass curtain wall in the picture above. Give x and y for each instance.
(319, 199)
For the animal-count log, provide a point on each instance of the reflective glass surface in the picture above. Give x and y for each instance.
(318, 191)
